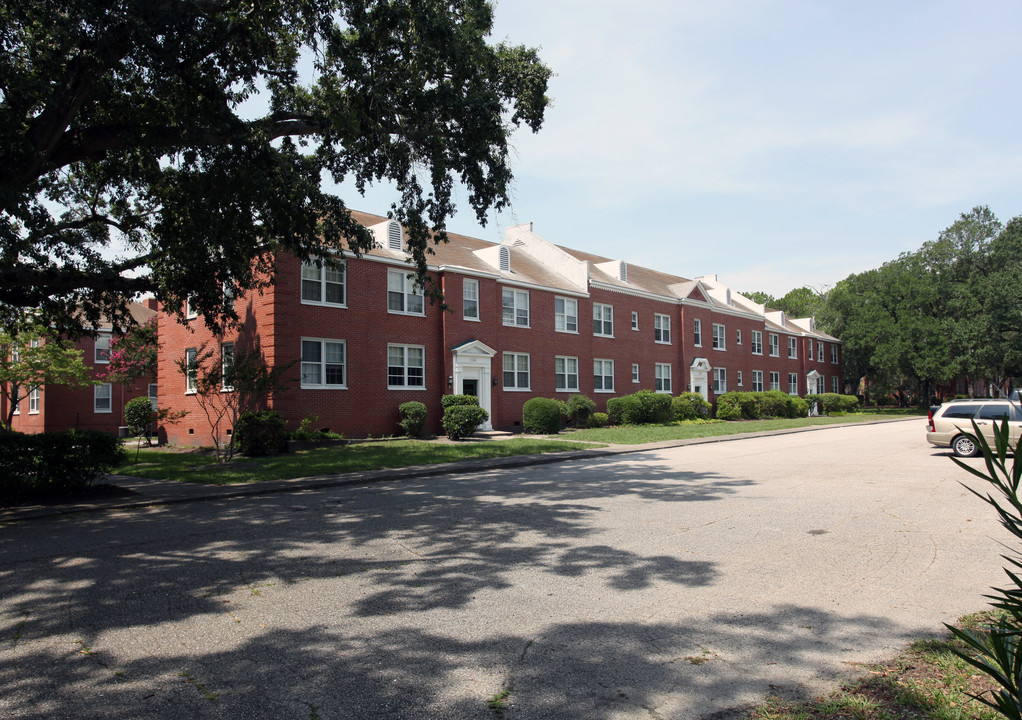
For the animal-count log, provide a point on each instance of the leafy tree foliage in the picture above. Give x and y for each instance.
(173, 147)
(134, 354)
(33, 359)
(954, 307)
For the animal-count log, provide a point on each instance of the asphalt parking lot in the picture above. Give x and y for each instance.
(677, 583)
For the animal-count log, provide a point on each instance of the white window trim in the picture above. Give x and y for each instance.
(566, 374)
(719, 335)
(757, 381)
(757, 340)
(723, 384)
(406, 348)
(775, 380)
(738, 336)
(833, 354)
(604, 308)
(635, 372)
(322, 365)
(322, 267)
(408, 290)
(191, 376)
(528, 371)
(603, 375)
(564, 315)
(95, 397)
(774, 345)
(793, 386)
(103, 335)
(33, 400)
(741, 382)
(153, 392)
(792, 349)
(664, 329)
(514, 308)
(224, 387)
(659, 378)
(635, 319)
(466, 283)
(191, 312)
(697, 332)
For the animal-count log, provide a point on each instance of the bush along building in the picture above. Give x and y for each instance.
(97, 406)
(525, 318)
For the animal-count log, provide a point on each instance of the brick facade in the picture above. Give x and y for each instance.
(558, 337)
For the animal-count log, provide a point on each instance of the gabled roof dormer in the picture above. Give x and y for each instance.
(617, 269)
(504, 262)
(389, 235)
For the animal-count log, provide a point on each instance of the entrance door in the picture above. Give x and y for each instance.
(470, 386)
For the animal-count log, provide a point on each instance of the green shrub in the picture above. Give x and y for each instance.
(413, 417)
(729, 407)
(654, 407)
(55, 463)
(451, 400)
(773, 404)
(797, 407)
(260, 433)
(600, 420)
(138, 414)
(541, 416)
(623, 410)
(462, 420)
(835, 403)
(690, 406)
(580, 411)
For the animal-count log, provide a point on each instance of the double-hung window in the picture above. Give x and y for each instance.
(516, 371)
(635, 320)
(757, 381)
(662, 371)
(635, 372)
(470, 299)
(738, 337)
(603, 375)
(835, 384)
(833, 353)
(775, 349)
(720, 381)
(324, 283)
(603, 320)
(515, 306)
(792, 348)
(775, 380)
(154, 396)
(565, 314)
(757, 342)
(740, 381)
(697, 332)
(102, 398)
(662, 329)
(403, 296)
(406, 367)
(102, 354)
(324, 363)
(810, 353)
(819, 348)
(191, 370)
(719, 340)
(793, 383)
(227, 367)
(33, 400)
(566, 374)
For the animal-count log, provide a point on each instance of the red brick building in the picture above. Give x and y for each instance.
(51, 408)
(526, 318)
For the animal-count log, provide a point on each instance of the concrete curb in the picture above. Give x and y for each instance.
(149, 492)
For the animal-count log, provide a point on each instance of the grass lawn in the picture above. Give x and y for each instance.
(927, 681)
(638, 434)
(200, 466)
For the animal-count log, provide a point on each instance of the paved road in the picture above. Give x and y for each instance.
(679, 583)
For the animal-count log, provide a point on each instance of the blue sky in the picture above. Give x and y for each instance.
(776, 144)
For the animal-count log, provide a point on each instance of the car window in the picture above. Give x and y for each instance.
(960, 411)
(996, 411)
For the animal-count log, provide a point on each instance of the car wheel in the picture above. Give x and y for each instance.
(963, 446)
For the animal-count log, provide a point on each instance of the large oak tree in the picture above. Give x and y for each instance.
(173, 146)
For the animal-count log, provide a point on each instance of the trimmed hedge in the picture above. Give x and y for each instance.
(452, 400)
(413, 417)
(835, 403)
(541, 416)
(579, 411)
(462, 420)
(690, 406)
(735, 405)
(640, 408)
(260, 433)
(55, 463)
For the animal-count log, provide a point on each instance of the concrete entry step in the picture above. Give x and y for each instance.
(492, 434)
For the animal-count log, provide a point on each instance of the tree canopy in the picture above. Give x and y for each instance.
(173, 147)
